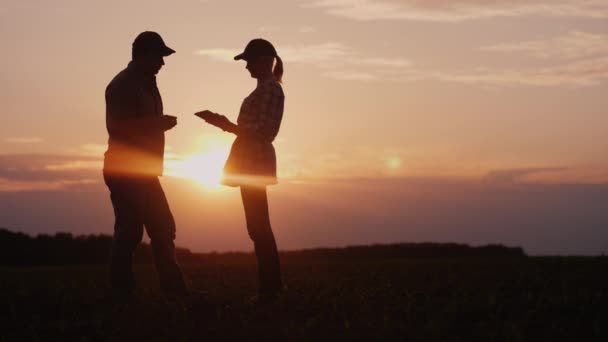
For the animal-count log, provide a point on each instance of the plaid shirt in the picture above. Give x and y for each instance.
(252, 159)
(262, 111)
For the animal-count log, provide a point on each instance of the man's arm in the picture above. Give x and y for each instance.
(122, 117)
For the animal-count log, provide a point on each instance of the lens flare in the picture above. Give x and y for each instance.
(204, 167)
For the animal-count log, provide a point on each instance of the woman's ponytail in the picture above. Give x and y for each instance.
(278, 70)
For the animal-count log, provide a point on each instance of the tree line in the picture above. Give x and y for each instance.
(67, 249)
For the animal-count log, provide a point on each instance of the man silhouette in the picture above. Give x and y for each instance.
(136, 126)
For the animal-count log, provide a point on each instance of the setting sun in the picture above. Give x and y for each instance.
(203, 167)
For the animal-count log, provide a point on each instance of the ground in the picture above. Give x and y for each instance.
(432, 299)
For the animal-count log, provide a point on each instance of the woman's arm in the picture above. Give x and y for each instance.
(238, 130)
(263, 120)
(222, 122)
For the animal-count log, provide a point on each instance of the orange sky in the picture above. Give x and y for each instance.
(511, 91)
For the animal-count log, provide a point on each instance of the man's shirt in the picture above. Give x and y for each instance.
(136, 143)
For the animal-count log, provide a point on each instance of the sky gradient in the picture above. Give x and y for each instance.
(467, 120)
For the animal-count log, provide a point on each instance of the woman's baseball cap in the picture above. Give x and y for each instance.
(256, 48)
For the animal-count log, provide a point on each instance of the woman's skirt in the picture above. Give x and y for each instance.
(251, 162)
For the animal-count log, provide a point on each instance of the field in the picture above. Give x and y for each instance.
(426, 299)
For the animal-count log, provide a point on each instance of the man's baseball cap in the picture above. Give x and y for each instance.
(256, 48)
(151, 42)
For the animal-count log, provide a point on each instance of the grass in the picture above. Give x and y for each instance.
(467, 299)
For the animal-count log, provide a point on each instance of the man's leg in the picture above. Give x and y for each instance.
(160, 226)
(255, 203)
(127, 199)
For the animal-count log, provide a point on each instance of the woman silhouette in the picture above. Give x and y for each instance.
(251, 164)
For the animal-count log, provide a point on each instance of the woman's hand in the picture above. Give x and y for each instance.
(205, 114)
(214, 119)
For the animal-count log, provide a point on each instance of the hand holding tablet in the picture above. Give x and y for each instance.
(213, 118)
(206, 114)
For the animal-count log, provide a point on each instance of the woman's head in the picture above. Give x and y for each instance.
(260, 56)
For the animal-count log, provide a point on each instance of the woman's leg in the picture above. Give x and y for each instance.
(255, 203)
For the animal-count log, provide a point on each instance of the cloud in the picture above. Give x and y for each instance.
(350, 75)
(332, 54)
(43, 172)
(574, 44)
(543, 219)
(511, 176)
(218, 54)
(583, 73)
(380, 61)
(306, 29)
(573, 74)
(459, 10)
(361, 161)
(576, 73)
(7, 185)
(76, 165)
(23, 140)
(349, 162)
(324, 55)
(577, 59)
(338, 61)
(335, 60)
(93, 149)
(587, 174)
(266, 29)
(315, 53)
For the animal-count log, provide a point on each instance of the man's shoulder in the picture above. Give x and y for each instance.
(120, 83)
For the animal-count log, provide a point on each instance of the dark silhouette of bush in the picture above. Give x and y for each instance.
(65, 249)
(412, 250)
(380, 252)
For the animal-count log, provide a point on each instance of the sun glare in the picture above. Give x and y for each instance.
(203, 167)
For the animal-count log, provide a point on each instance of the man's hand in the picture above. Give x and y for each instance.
(167, 122)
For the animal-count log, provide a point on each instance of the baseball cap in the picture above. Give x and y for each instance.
(151, 42)
(255, 48)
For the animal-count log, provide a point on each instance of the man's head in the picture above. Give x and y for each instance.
(148, 51)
